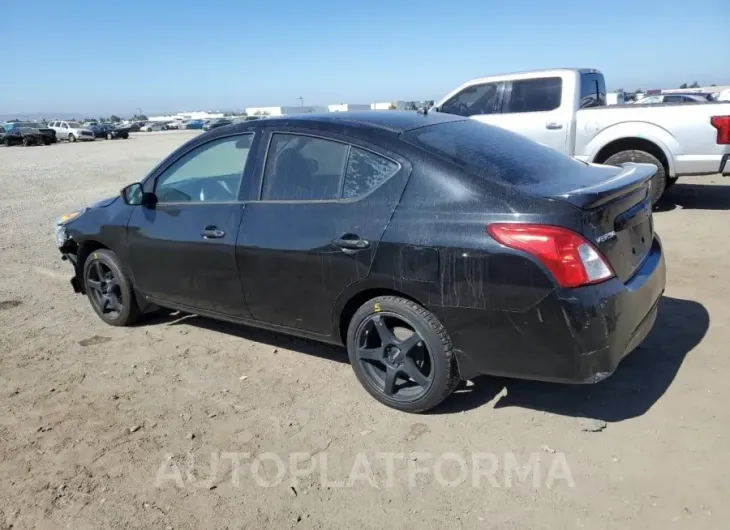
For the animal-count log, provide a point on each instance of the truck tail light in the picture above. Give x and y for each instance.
(722, 124)
(571, 259)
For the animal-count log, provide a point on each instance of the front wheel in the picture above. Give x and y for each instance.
(109, 136)
(109, 289)
(401, 354)
(658, 182)
(26, 142)
(71, 137)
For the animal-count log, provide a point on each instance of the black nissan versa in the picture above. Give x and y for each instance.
(433, 247)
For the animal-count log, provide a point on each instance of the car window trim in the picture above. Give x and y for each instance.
(157, 174)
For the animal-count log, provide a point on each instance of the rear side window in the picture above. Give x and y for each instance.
(303, 168)
(535, 95)
(493, 153)
(473, 100)
(592, 91)
(365, 172)
(675, 99)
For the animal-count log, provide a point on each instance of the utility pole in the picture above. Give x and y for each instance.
(139, 111)
(301, 101)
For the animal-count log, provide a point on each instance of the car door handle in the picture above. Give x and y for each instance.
(350, 242)
(212, 232)
(553, 125)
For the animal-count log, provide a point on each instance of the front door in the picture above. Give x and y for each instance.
(182, 250)
(323, 210)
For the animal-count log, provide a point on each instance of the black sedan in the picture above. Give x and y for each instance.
(110, 132)
(433, 247)
(26, 133)
(215, 123)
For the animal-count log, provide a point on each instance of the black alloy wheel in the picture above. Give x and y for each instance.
(104, 291)
(109, 289)
(401, 354)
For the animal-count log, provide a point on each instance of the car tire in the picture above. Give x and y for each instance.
(7, 142)
(26, 142)
(671, 181)
(109, 136)
(109, 289)
(380, 362)
(658, 182)
(125, 136)
(71, 137)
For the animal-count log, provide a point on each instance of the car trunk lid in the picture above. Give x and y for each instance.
(615, 208)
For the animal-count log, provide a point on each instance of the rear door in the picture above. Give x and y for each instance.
(538, 109)
(324, 205)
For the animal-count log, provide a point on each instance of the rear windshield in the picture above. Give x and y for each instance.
(493, 152)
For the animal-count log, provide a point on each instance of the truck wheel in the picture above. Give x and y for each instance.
(7, 142)
(26, 142)
(109, 136)
(401, 354)
(71, 137)
(658, 182)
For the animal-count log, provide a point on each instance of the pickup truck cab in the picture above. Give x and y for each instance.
(565, 109)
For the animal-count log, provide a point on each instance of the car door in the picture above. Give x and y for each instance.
(324, 205)
(538, 109)
(182, 250)
(64, 130)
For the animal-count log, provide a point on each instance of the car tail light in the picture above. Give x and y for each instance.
(722, 124)
(571, 259)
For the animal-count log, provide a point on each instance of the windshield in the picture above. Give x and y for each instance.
(30, 124)
(493, 152)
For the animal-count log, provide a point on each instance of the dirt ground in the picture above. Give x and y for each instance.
(103, 427)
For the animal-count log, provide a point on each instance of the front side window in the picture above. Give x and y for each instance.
(365, 172)
(211, 172)
(473, 100)
(303, 168)
(535, 95)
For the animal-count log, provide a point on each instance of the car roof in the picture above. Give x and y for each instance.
(386, 120)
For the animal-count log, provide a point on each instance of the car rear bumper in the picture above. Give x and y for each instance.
(572, 335)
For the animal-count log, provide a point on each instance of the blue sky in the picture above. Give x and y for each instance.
(101, 57)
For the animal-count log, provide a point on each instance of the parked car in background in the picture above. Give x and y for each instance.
(174, 125)
(108, 131)
(71, 131)
(215, 123)
(194, 124)
(438, 235)
(25, 133)
(675, 97)
(565, 109)
(153, 126)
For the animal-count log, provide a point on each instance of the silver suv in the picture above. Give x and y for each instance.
(71, 131)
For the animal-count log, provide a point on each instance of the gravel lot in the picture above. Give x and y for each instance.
(95, 421)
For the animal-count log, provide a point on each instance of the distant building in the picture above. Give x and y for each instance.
(282, 111)
(344, 107)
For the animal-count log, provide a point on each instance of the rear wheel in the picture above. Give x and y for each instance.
(401, 354)
(109, 136)
(109, 289)
(27, 141)
(659, 180)
(7, 142)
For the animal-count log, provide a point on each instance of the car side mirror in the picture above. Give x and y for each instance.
(134, 195)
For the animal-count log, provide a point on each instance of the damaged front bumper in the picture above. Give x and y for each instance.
(572, 335)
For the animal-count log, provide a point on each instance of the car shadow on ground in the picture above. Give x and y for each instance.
(640, 380)
(262, 336)
(695, 197)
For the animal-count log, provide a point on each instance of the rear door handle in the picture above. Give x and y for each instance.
(351, 242)
(553, 125)
(212, 232)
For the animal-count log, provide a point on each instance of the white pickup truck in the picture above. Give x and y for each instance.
(565, 109)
